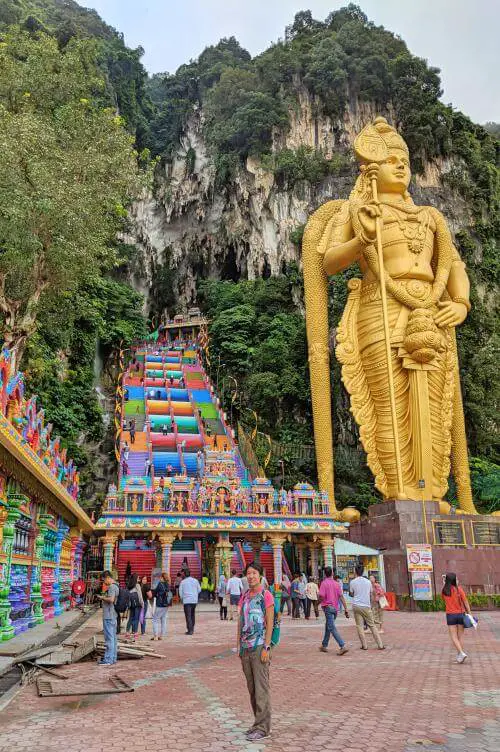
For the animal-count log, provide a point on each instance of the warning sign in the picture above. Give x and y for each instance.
(419, 557)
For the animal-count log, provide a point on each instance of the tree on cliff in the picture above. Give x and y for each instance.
(68, 168)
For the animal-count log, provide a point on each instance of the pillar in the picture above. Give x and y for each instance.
(10, 515)
(277, 542)
(327, 546)
(166, 541)
(225, 549)
(109, 551)
(62, 530)
(301, 551)
(36, 572)
(314, 549)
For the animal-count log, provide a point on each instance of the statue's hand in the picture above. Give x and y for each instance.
(450, 313)
(367, 216)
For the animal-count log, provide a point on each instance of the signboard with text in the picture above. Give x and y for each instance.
(419, 557)
(421, 583)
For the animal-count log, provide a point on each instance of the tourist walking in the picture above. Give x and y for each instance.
(285, 595)
(136, 604)
(221, 596)
(147, 602)
(132, 431)
(456, 604)
(360, 589)
(312, 598)
(189, 592)
(234, 589)
(378, 597)
(163, 596)
(330, 594)
(109, 619)
(126, 451)
(255, 628)
(298, 595)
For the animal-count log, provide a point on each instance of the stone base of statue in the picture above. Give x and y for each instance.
(467, 544)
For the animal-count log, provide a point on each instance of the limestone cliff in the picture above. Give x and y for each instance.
(246, 229)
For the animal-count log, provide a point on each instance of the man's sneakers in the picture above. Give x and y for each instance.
(342, 650)
(256, 736)
(461, 657)
(323, 649)
(106, 663)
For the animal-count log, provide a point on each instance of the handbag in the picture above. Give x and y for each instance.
(470, 622)
(383, 602)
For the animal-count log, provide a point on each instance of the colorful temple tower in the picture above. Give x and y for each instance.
(41, 523)
(183, 491)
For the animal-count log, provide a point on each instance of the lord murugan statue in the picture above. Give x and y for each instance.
(396, 339)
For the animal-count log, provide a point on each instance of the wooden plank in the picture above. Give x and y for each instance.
(48, 688)
(58, 657)
(84, 649)
(47, 670)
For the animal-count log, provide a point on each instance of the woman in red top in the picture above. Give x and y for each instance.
(456, 604)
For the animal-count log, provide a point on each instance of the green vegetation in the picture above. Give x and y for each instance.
(68, 167)
(69, 170)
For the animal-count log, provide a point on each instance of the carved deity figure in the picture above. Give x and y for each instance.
(396, 340)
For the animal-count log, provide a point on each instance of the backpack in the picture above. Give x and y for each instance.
(275, 637)
(122, 602)
(164, 595)
(134, 599)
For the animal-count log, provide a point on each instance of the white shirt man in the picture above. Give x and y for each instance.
(189, 591)
(234, 589)
(360, 589)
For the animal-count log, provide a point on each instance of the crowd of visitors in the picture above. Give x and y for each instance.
(258, 610)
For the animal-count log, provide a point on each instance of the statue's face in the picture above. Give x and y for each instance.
(394, 173)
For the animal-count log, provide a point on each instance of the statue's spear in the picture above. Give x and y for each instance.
(370, 146)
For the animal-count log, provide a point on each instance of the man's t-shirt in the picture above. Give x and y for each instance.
(108, 609)
(189, 590)
(234, 586)
(361, 590)
(252, 618)
(330, 591)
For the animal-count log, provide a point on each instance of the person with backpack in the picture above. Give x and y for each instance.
(122, 605)
(146, 591)
(136, 603)
(164, 596)
(254, 640)
(109, 619)
(456, 605)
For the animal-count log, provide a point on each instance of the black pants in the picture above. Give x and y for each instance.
(118, 622)
(189, 613)
(297, 604)
(285, 602)
(222, 609)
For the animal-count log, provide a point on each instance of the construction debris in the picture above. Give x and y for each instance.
(48, 688)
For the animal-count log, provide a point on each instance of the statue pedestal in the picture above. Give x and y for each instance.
(461, 543)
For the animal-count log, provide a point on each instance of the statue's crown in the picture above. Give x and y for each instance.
(376, 141)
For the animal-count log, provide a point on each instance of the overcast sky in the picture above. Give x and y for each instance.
(458, 36)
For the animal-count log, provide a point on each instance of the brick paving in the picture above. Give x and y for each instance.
(411, 697)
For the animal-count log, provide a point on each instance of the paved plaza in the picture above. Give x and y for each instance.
(410, 697)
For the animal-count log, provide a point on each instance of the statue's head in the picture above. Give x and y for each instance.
(381, 144)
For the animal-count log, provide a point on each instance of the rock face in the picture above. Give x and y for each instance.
(242, 231)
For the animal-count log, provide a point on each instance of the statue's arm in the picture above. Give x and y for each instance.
(343, 247)
(458, 282)
(454, 311)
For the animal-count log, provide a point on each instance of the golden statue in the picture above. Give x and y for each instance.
(396, 340)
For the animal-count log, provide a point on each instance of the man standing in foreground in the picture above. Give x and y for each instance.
(329, 595)
(189, 591)
(234, 589)
(255, 629)
(360, 589)
(109, 619)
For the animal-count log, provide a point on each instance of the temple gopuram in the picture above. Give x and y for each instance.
(42, 526)
(183, 492)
